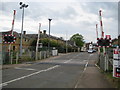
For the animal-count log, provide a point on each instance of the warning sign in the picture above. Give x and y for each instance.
(116, 63)
(118, 72)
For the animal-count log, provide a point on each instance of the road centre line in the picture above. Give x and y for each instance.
(48, 69)
(71, 59)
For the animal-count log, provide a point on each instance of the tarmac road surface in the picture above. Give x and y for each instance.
(73, 70)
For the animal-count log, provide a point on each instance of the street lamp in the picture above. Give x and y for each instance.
(49, 35)
(22, 6)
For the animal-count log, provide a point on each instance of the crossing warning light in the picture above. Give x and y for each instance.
(9, 39)
(103, 42)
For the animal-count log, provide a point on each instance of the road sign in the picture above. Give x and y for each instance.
(9, 39)
(40, 45)
(108, 37)
(116, 63)
(117, 72)
(90, 46)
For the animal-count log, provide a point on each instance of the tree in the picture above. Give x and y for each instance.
(78, 39)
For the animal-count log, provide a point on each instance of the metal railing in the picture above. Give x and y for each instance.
(105, 61)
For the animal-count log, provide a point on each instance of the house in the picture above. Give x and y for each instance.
(114, 42)
(16, 46)
(26, 40)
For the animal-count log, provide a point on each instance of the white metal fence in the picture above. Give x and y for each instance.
(27, 56)
(105, 61)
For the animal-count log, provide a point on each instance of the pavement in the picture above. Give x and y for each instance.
(73, 70)
(93, 78)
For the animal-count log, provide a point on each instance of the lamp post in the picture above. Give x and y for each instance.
(49, 35)
(22, 6)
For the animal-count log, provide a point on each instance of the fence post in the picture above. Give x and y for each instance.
(105, 65)
(40, 55)
(11, 54)
(17, 55)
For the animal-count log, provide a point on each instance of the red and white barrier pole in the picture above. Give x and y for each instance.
(13, 22)
(101, 25)
(102, 36)
(12, 33)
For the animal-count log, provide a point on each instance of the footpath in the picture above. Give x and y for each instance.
(93, 78)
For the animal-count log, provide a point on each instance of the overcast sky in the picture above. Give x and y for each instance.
(68, 17)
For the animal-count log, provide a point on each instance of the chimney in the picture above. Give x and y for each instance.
(24, 32)
(40, 32)
(44, 32)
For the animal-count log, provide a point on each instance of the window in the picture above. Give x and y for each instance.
(13, 48)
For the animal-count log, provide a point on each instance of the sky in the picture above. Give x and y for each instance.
(68, 17)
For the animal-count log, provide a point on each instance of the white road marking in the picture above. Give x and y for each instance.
(5, 83)
(91, 54)
(1, 85)
(81, 75)
(84, 70)
(86, 66)
(71, 59)
(25, 68)
(97, 66)
(68, 61)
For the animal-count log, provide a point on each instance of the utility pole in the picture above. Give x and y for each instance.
(97, 37)
(49, 36)
(36, 58)
(12, 34)
(22, 7)
(97, 30)
(66, 43)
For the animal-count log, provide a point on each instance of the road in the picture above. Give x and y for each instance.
(73, 70)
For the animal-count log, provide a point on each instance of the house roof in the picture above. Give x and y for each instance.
(9, 32)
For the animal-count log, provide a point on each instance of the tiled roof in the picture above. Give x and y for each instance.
(9, 32)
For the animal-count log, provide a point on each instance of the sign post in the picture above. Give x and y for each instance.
(116, 62)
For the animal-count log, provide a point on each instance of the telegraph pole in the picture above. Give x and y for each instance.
(49, 36)
(66, 43)
(97, 30)
(97, 37)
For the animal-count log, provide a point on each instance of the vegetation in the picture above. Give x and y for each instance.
(60, 45)
(78, 39)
